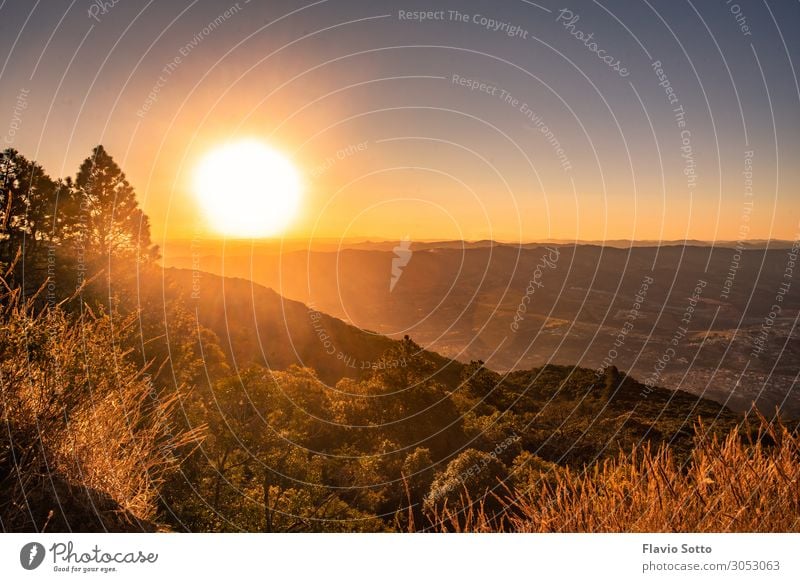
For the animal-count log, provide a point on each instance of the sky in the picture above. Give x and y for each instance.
(511, 120)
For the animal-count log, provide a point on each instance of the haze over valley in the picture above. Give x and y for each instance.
(701, 312)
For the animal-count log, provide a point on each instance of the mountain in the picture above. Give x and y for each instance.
(256, 325)
(705, 325)
(564, 414)
(329, 447)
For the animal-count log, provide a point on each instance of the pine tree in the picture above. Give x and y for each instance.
(29, 221)
(110, 223)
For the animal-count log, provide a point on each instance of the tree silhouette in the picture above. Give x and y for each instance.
(29, 221)
(109, 221)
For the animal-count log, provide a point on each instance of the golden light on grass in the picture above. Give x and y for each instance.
(246, 189)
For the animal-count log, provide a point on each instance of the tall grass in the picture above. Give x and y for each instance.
(85, 439)
(731, 484)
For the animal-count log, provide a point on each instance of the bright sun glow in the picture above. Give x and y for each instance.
(247, 189)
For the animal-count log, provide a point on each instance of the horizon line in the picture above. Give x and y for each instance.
(368, 239)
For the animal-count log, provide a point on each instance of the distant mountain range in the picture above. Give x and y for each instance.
(178, 249)
(705, 322)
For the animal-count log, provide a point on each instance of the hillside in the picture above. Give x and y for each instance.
(462, 303)
(256, 325)
(589, 413)
(278, 449)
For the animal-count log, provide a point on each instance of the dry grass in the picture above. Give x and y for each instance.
(85, 440)
(730, 485)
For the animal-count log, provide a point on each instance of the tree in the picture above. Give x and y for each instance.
(470, 478)
(417, 473)
(109, 220)
(28, 218)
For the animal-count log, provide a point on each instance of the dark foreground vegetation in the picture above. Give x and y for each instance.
(130, 401)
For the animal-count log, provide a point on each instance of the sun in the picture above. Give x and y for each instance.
(246, 189)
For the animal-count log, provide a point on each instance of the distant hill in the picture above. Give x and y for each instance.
(177, 250)
(460, 300)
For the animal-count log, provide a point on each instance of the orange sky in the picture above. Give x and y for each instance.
(438, 130)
